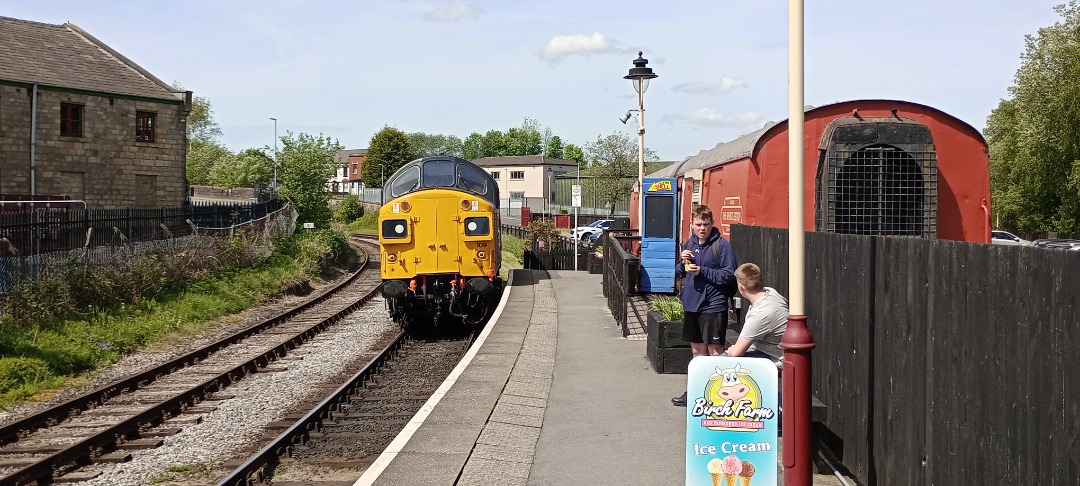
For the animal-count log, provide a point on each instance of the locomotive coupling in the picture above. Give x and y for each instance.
(479, 286)
(393, 289)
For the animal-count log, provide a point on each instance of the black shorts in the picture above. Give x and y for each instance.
(705, 327)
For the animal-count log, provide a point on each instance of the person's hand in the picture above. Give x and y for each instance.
(687, 255)
(693, 269)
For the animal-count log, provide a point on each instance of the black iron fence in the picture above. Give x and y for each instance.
(621, 269)
(48, 230)
(941, 362)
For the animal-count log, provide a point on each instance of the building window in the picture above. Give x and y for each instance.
(71, 120)
(517, 174)
(517, 196)
(144, 126)
(495, 174)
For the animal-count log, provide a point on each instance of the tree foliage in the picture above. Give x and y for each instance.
(427, 145)
(1033, 138)
(573, 152)
(202, 159)
(554, 147)
(306, 164)
(387, 152)
(201, 126)
(613, 165)
(244, 169)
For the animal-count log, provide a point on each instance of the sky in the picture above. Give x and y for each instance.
(346, 69)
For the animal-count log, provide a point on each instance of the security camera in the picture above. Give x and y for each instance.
(624, 118)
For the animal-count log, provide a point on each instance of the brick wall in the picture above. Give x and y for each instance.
(106, 166)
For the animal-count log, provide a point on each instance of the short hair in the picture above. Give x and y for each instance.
(749, 275)
(701, 212)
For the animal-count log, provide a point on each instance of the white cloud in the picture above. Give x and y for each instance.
(562, 46)
(453, 12)
(724, 85)
(713, 118)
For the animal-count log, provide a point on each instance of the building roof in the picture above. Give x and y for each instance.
(341, 157)
(65, 56)
(521, 160)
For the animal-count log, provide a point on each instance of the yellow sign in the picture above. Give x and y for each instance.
(660, 186)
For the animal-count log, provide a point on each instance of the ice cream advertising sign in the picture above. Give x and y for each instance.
(732, 415)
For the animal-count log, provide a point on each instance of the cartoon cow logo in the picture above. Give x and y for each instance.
(733, 392)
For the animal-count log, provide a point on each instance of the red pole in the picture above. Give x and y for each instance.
(797, 344)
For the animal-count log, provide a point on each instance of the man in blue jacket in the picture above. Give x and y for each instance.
(707, 266)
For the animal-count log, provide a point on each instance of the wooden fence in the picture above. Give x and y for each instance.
(941, 362)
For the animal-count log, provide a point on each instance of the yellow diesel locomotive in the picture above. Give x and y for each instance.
(440, 242)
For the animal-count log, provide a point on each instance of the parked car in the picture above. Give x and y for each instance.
(597, 226)
(1057, 243)
(999, 237)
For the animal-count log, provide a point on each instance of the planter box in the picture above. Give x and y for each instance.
(668, 360)
(666, 334)
(665, 348)
(596, 264)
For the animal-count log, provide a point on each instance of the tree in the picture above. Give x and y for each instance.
(387, 152)
(554, 147)
(493, 145)
(201, 126)
(573, 152)
(427, 145)
(202, 159)
(472, 148)
(307, 163)
(613, 162)
(246, 168)
(1033, 141)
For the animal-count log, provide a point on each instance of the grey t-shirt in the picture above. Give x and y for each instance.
(765, 322)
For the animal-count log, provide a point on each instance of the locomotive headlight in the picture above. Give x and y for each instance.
(477, 226)
(395, 228)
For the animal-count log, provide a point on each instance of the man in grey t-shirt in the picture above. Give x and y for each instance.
(765, 321)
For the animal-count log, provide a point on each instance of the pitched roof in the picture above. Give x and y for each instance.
(65, 56)
(342, 156)
(521, 160)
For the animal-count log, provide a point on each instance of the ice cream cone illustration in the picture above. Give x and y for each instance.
(716, 470)
(731, 467)
(746, 473)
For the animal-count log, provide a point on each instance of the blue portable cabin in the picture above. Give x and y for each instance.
(659, 235)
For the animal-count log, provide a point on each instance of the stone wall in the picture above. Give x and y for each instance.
(106, 167)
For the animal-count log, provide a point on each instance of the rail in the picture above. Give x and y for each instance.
(621, 270)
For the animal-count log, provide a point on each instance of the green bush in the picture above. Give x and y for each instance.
(367, 224)
(16, 372)
(348, 209)
(670, 307)
(543, 230)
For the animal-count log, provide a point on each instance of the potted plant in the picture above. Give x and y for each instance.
(667, 351)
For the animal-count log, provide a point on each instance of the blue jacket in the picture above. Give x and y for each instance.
(705, 292)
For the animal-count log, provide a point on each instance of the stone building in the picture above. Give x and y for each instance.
(80, 120)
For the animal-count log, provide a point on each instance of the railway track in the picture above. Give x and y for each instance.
(135, 413)
(344, 432)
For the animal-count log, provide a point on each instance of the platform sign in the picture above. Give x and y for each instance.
(732, 419)
(575, 195)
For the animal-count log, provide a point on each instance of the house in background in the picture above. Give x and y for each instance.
(80, 120)
(526, 180)
(350, 171)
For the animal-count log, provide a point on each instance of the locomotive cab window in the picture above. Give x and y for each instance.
(439, 173)
(405, 182)
(472, 180)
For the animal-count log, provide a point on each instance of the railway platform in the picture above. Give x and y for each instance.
(552, 394)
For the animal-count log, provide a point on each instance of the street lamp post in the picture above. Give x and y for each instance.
(640, 75)
(275, 157)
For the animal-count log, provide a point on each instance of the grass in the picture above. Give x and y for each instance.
(181, 471)
(670, 307)
(513, 250)
(368, 224)
(39, 359)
